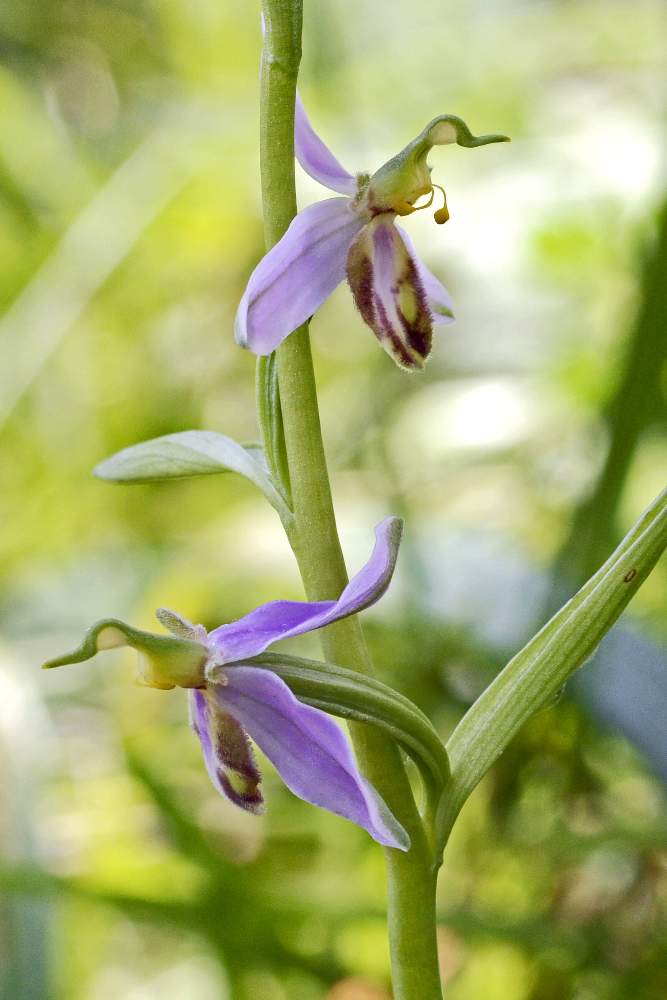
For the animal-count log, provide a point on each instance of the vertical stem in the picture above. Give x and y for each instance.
(314, 535)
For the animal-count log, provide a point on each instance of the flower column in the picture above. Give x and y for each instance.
(314, 536)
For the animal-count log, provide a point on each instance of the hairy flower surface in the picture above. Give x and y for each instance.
(356, 236)
(233, 701)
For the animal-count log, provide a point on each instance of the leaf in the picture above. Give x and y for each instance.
(351, 695)
(535, 675)
(191, 453)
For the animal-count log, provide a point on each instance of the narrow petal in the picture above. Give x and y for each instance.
(389, 293)
(228, 756)
(276, 620)
(308, 749)
(295, 277)
(315, 158)
(439, 300)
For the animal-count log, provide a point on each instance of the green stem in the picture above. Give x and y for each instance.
(314, 536)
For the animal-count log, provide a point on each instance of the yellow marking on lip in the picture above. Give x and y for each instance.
(408, 303)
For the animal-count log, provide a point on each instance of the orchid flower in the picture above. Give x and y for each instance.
(355, 235)
(233, 701)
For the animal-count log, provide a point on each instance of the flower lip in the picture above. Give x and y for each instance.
(389, 292)
(228, 755)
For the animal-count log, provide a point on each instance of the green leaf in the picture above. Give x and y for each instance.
(355, 696)
(191, 453)
(536, 674)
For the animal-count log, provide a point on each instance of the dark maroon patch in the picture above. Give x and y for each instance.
(250, 799)
(410, 344)
(235, 754)
(360, 278)
(384, 330)
(419, 333)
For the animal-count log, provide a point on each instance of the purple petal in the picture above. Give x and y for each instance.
(295, 277)
(315, 158)
(253, 633)
(228, 755)
(439, 300)
(308, 749)
(388, 291)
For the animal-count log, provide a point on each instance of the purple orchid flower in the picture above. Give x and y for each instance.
(233, 701)
(355, 235)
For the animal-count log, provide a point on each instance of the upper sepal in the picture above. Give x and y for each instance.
(316, 158)
(165, 661)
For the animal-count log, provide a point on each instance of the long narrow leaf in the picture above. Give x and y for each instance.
(535, 675)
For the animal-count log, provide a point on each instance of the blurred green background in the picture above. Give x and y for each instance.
(129, 222)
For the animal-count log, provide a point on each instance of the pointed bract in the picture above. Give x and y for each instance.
(276, 620)
(389, 293)
(308, 750)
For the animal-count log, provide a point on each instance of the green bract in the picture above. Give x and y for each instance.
(191, 453)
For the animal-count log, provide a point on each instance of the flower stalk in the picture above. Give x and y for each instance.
(313, 533)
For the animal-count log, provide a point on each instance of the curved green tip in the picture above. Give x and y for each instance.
(484, 140)
(115, 633)
(165, 661)
(450, 128)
